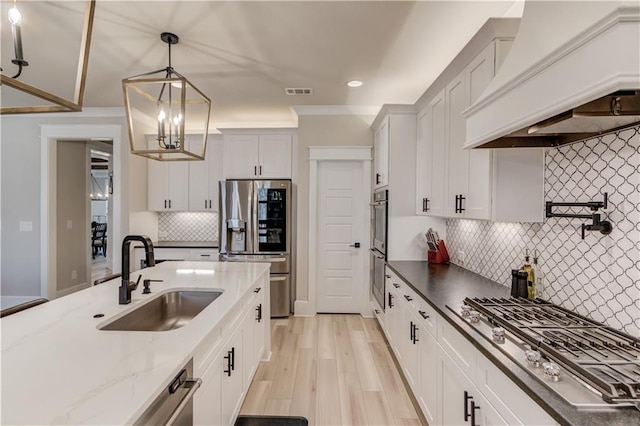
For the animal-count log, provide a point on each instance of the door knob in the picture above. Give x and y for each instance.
(356, 245)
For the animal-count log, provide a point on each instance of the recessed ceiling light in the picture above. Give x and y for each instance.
(354, 83)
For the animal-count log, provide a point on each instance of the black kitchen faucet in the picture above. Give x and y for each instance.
(128, 286)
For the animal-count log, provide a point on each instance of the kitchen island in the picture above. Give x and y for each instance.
(58, 367)
(443, 288)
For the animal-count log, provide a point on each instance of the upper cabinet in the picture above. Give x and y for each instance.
(186, 185)
(205, 175)
(381, 154)
(167, 184)
(474, 184)
(258, 156)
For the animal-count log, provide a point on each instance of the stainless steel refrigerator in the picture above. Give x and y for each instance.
(255, 223)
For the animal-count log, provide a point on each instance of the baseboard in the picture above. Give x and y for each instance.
(68, 291)
(302, 308)
(9, 301)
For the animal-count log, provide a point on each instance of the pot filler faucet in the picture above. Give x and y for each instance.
(128, 286)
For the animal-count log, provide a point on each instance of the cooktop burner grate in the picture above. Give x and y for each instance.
(603, 357)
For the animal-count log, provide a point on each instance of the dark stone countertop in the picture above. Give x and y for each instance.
(184, 244)
(442, 285)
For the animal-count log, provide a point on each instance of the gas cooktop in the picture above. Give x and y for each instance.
(588, 364)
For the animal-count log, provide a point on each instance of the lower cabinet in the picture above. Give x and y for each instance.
(233, 357)
(453, 383)
(206, 401)
(232, 383)
(460, 400)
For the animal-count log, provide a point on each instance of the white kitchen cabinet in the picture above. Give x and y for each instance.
(174, 253)
(460, 400)
(206, 401)
(260, 323)
(431, 158)
(381, 154)
(205, 175)
(504, 185)
(413, 331)
(232, 382)
(167, 185)
(261, 156)
(428, 394)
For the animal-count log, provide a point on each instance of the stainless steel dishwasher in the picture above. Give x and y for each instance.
(174, 406)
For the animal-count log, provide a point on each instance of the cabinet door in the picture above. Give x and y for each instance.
(381, 154)
(204, 177)
(411, 350)
(458, 158)
(248, 356)
(275, 157)
(241, 156)
(157, 183)
(206, 401)
(453, 384)
(478, 75)
(432, 155)
(178, 186)
(232, 379)
(428, 394)
(260, 327)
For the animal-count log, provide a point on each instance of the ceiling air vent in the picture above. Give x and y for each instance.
(298, 91)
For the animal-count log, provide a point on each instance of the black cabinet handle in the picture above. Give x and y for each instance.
(165, 204)
(411, 330)
(457, 208)
(396, 285)
(409, 298)
(425, 204)
(259, 312)
(423, 314)
(466, 406)
(260, 170)
(233, 358)
(378, 178)
(390, 301)
(461, 200)
(387, 276)
(228, 358)
(474, 407)
(255, 170)
(169, 203)
(415, 333)
(257, 290)
(205, 204)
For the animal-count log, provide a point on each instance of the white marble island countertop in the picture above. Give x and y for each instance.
(59, 368)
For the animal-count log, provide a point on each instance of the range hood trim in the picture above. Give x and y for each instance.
(498, 114)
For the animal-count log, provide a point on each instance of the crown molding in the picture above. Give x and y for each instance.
(335, 109)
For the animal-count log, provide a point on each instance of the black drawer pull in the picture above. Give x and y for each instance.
(409, 298)
(423, 314)
(390, 301)
(257, 290)
(396, 285)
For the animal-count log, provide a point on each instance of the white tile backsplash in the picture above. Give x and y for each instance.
(188, 226)
(599, 276)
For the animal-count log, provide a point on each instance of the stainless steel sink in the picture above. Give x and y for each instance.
(166, 312)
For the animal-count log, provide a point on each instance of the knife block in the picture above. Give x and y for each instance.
(438, 256)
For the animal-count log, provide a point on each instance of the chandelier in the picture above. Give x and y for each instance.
(162, 110)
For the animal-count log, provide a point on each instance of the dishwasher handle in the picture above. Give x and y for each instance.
(193, 385)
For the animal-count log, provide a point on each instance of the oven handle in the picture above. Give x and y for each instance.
(193, 385)
(375, 253)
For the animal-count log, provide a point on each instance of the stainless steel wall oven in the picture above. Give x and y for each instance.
(379, 249)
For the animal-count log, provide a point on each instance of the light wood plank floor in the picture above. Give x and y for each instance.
(333, 370)
(99, 268)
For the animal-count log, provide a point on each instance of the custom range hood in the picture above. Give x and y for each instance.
(572, 73)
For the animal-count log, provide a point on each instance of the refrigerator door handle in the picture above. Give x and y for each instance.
(272, 278)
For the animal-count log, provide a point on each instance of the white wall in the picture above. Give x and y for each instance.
(320, 130)
(20, 169)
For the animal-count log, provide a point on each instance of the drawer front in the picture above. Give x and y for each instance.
(204, 355)
(428, 315)
(204, 255)
(461, 351)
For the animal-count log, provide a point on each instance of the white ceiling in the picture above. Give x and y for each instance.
(243, 54)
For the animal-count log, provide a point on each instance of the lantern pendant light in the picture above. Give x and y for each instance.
(174, 105)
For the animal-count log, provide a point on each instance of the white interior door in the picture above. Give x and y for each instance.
(341, 286)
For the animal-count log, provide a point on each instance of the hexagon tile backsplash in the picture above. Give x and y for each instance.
(599, 276)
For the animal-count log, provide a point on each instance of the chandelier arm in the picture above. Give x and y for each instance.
(19, 71)
(148, 73)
